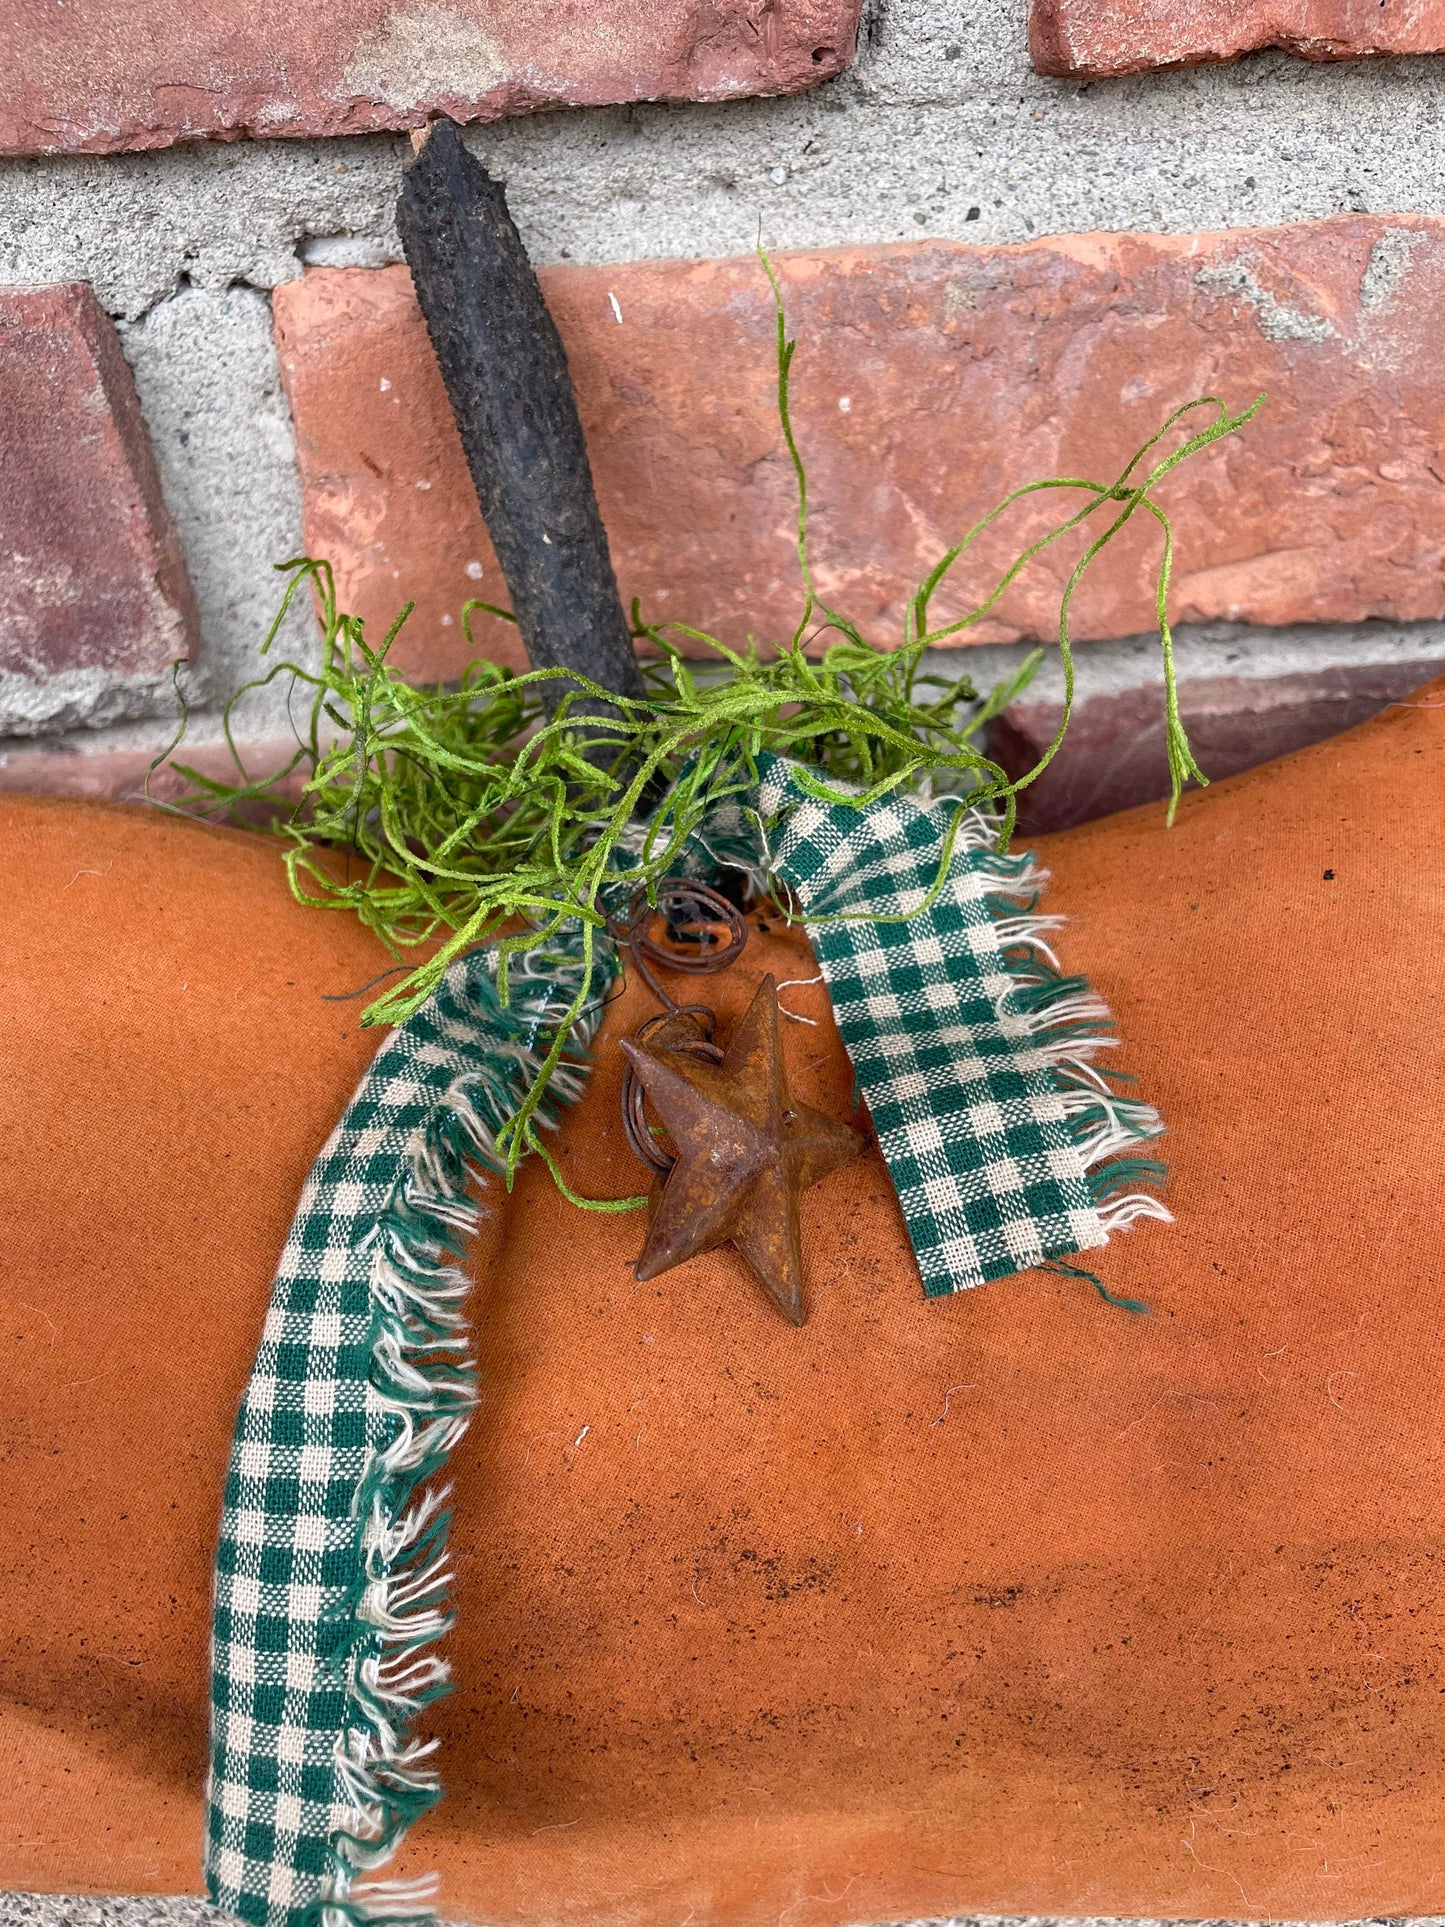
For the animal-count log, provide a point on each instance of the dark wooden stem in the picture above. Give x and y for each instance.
(506, 374)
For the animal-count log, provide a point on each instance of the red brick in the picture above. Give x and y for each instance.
(1097, 37)
(930, 380)
(91, 574)
(103, 78)
(114, 775)
(125, 775)
(1113, 756)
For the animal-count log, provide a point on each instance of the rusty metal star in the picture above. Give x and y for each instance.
(746, 1152)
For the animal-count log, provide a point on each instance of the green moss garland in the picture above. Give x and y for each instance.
(471, 817)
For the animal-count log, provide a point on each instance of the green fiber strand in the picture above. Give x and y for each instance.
(1057, 1265)
(535, 1143)
(446, 817)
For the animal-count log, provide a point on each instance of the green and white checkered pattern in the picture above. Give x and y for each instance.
(289, 1541)
(348, 1412)
(290, 1634)
(968, 1115)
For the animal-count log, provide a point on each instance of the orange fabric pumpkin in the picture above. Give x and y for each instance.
(1004, 1603)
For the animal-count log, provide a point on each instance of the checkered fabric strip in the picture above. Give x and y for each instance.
(311, 1423)
(981, 1137)
(968, 1117)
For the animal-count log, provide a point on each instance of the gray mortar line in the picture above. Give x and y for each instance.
(64, 1910)
(1205, 651)
(145, 1910)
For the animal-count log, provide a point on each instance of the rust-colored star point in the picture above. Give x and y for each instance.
(746, 1152)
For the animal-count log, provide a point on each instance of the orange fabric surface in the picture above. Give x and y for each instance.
(168, 1070)
(1008, 1603)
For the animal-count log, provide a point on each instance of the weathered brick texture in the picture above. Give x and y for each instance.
(91, 575)
(1114, 756)
(128, 775)
(103, 78)
(930, 380)
(1098, 37)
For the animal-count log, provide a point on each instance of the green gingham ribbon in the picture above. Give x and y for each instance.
(973, 1053)
(359, 1392)
(969, 1116)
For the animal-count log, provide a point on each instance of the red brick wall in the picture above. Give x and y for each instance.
(99, 76)
(1097, 37)
(929, 381)
(91, 574)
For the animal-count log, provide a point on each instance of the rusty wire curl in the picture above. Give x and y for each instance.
(687, 906)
